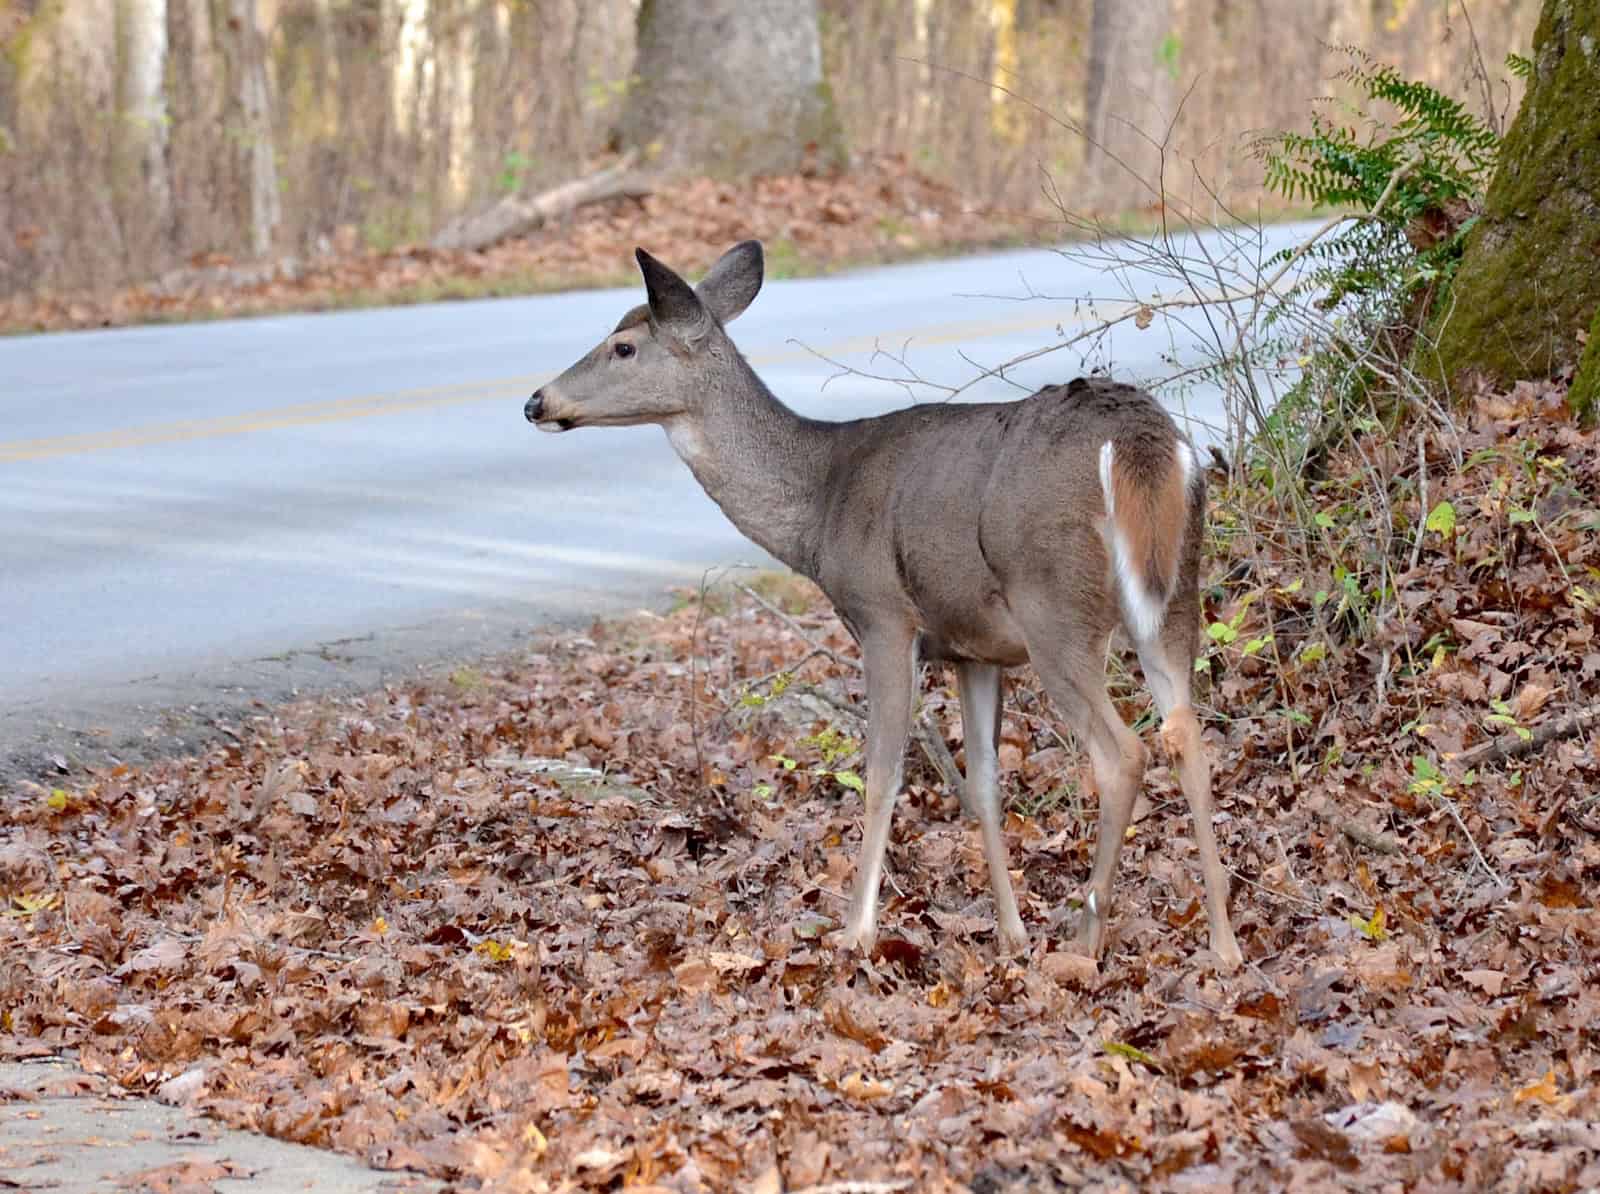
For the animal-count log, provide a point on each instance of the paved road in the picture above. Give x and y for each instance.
(196, 517)
(61, 1132)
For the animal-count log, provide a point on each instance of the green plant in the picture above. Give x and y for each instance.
(1416, 176)
(833, 747)
(514, 168)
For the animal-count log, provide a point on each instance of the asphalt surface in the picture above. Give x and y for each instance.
(201, 520)
(62, 1132)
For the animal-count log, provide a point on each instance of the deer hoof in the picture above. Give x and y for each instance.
(860, 938)
(1092, 930)
(1012, 944)
(1228, 955)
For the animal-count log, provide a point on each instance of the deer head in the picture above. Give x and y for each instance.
(665, 358)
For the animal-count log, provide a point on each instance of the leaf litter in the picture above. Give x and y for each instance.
(573, 926)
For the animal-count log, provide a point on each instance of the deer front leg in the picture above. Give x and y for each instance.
(890, 661)
(1180, 735)
(980, 718)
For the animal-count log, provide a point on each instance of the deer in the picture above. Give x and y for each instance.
(985, 535)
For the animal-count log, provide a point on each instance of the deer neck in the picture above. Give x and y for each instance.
(764, 465)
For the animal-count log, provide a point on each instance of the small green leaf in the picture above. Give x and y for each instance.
(1442, 519)
(1422, 767)
(1324, 521)
(1313, 653)
(851, 780)
(1372, 929)
(27, 905)
(1518, 517)
(495, 951)
(1255, 644)
(1222, 633)
(1130, 1052)
(812, 928)
(762, 791)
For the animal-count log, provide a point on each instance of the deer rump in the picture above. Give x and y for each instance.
(1078, 495)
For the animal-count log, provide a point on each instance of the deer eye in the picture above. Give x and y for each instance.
(623, 350)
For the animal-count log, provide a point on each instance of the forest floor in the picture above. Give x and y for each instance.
(880, 211)
(569, 921)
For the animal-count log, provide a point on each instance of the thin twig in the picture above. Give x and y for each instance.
(1422, 496)
(1455, 815)
(268, 943)
(1481, 73)
(786, 670)
(787, 620)
(694, 682)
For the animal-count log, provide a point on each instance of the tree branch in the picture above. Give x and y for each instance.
(1514, 745)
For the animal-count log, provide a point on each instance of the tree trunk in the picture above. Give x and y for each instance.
(254, 114)
(142, 105)
(1130, 101)
(1529, 283)
(730, 88)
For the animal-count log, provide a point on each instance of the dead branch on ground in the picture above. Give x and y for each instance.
(516, 215)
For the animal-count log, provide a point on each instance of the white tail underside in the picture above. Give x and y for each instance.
(1142, 613)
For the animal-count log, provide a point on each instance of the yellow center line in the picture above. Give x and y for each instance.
(308, 414)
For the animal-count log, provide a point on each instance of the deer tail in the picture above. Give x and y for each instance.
(1147, 485)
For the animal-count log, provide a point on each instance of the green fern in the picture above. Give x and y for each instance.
(1445, 156)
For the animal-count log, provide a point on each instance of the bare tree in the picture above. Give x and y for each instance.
(731, 88)
(253, 98)
(1130, 98)
(142, 105)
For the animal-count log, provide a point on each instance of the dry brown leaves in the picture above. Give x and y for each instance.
(881, 210)
(385, 926)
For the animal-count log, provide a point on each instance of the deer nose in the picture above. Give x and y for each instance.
(534, 410)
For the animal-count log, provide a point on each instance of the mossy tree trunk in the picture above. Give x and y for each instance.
(1529, 283)
(730, 88)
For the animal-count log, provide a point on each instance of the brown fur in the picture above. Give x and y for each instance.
(1150, 503)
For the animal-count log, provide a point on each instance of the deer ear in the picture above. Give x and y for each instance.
(674, 306)
(734, 281)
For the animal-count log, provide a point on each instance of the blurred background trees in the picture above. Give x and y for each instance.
(730, 88)
(141, 135)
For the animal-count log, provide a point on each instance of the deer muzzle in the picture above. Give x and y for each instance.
(534, 411)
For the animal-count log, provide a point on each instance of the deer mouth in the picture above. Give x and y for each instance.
(555, 426)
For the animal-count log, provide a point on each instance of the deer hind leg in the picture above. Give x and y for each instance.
(1168, 664)
(890, 662)
(980, 715)
(1068, 649)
